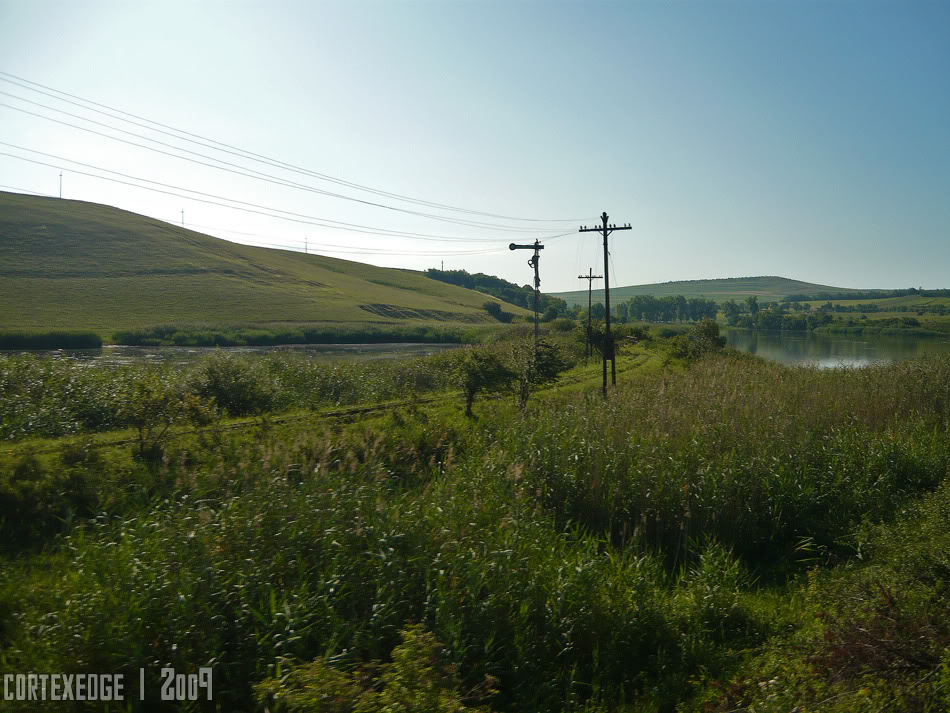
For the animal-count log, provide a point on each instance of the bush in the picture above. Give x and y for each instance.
(36, 501)
(701, 339)
(482, 371)
(417, 681)
(236, 385)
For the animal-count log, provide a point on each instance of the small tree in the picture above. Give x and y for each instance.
(533, 368)
(482, 371)
(152, 406)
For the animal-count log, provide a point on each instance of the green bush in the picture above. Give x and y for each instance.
(417, 681)
(236, 385)
(36, 502)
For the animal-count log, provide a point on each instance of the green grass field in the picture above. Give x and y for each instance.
(74, 265)
(766, 288)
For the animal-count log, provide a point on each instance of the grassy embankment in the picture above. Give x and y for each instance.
(83, 266)
(729, 534)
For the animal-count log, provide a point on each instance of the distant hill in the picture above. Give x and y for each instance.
(72, 264)
(766, 288)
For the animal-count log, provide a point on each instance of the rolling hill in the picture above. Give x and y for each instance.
(766, 288)
(68, 264)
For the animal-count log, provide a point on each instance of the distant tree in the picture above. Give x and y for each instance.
(668, 308)
(495, 310)
(768, 320)
(597, 311)
(753, 302)
(732, 311)
(623, 312)
(682, 308)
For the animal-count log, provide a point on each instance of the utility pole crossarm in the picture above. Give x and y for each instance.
(605, 230)
(534, 262)
(590, 277)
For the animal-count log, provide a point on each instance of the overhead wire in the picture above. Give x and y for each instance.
(246, 172)
(271, 215)
(227, 148)
(310, 219)
(26, 190)
(327, 247)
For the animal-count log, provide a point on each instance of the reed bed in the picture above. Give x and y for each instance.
(586, 555)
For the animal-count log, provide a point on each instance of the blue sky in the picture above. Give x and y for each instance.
(804, 139)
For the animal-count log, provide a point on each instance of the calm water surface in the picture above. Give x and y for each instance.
(828, 350)
(185, 355)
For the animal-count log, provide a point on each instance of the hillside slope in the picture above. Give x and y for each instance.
(766, 288)
(72, 264)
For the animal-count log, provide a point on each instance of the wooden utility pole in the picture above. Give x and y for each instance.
(534, 262)
(590, 277)
(606, 230)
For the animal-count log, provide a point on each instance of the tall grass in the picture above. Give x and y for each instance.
(58, 339)
(179, 335)
(56, 397)
(755, 454)
(588, 555)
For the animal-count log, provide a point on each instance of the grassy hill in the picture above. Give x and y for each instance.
(766, 288)
(77, 265)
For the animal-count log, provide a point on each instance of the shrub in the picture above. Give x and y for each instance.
(417, 681)
(482, 371)
(236, 385)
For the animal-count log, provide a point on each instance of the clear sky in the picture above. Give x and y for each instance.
(749, 137)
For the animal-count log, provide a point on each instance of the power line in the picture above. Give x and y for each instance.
(337, 249)
(269, 215)
(332, 247)
(314, 220)
(254, 156)
(241, 170)
(26, 190)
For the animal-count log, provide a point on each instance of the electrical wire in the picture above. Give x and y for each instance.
(363, 251)
(32, 193)
(313, 220)
(251, 155)
(246, 172)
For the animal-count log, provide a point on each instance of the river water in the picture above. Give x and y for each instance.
(184, 355)
(834, 350)
(823, 350)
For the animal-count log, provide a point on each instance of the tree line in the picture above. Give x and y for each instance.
(867, 294)
(647, 308)
(523, 295)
